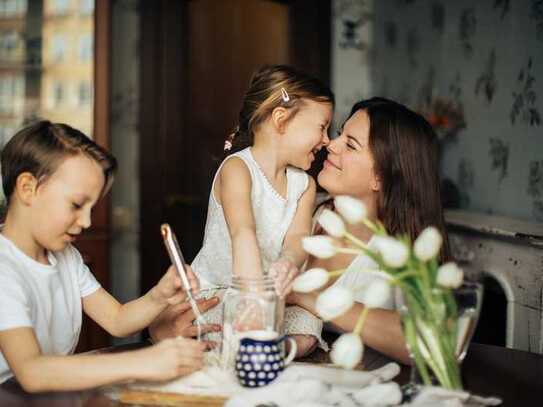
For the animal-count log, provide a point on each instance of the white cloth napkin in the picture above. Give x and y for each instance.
(318, 386)
(310, 385)
(305, 385)
(214, 381)
(432, 396)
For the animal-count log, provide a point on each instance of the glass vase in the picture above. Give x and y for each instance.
(438, 330)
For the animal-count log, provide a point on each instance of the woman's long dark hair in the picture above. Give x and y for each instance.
(406, 161)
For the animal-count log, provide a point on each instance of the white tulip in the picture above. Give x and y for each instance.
(319, 246)
(332, 223)
(428, 243)
(376, 294)
(310, 280)
(394, 252)
(334, 302)
(449, 275)
(352, 209)
(347, 351)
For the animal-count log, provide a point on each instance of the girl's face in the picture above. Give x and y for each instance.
(348, 169)
(307, 132)
(62, 205)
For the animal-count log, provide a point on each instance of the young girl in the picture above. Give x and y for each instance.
(261, 198)
(52, 176)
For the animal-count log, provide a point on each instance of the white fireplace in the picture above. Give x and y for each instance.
(511, 252)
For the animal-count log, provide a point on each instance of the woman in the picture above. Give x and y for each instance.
(387, 156)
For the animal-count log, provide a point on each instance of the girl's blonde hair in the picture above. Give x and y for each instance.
(270, 87)
(41, 147)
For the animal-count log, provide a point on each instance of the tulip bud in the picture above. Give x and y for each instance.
(394, 252)
(310, 280)
(334, 302)
(376, 294)
(428, 243)
(352, 209)
(332, 223)
(449, 275)
(319, 246)
(347, 351)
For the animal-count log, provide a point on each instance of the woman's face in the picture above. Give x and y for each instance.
(348, 169)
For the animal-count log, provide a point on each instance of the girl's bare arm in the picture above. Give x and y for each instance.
(234, 193)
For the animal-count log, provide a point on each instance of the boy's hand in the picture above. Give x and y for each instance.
(169, 289)
(170, 358)
(284, 271)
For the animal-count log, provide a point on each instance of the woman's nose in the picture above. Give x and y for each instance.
(334, 145)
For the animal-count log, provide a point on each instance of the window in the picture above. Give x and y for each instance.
(85, 48)
(22, 6)
(84, 93)
(58, 48)
(11, 93)
(5, 134)
(59, 6)
(10, 43)
(86, 6)
(10, 8)
(58, 93)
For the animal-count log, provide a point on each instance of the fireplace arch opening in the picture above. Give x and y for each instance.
(492, 326)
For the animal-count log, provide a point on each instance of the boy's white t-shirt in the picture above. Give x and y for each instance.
(46, 298)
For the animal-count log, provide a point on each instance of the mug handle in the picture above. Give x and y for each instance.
(293, 348)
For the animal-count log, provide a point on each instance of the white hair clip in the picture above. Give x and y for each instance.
(284, 95)
(227, 145)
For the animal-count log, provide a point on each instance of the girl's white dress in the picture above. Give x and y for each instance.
(273, 215)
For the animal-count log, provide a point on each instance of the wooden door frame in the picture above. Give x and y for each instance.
(94, 245)
(102, 75)
(163, 49)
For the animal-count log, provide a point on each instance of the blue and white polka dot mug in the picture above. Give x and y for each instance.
(260, 359)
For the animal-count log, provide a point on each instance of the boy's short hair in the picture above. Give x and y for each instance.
(41, 147)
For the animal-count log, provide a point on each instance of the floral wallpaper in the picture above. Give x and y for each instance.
(475, 70)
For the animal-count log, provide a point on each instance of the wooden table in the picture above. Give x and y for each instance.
(515, 376)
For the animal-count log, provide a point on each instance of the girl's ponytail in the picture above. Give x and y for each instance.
(270, 87)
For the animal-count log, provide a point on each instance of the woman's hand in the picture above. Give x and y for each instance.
(169, 359)
(169, 289)
(177, 320)
(284, 271)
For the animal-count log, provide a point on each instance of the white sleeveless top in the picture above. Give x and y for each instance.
(273, 215)
(361, 271)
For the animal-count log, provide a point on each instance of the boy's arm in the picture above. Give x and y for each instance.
(235, 197)
(300, 226)
(37, 372)
(125, 320)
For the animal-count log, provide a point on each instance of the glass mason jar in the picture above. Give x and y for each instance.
(249, 304)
